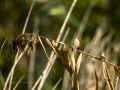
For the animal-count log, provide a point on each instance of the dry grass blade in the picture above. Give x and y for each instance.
(67, 60)
(116, 70)
(73, 60)
(77, 67)
(116, 83)
(2, 46)
(49, 43)
(36, 83)
(66, 55)
(58, 53)
(61, 58)
(18, 82)
(57, 84)
(96, 76)
(107, 76)
(45, 52)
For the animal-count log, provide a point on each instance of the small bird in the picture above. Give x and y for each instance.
(102, 55)
(76, 44)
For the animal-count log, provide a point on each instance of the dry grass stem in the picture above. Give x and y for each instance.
(116, 83)
(66, 56)
(77, 68)
(45, 52)
(49, 43)
(66, 19)
(31, 70)
(36, 83)
(2, 46)
(18, 82)
(64, 38)
(96, 76)
(73, 59)
(98, 58)
(25, 25)
(107, 77)
(32, 56)
(12, 73)
(57, 84)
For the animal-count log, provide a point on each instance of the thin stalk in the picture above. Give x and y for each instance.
(32, 57)
(116, 83)
(36, 83)
(18, 82)
(57, 84)
(2, 46)
(25, 25)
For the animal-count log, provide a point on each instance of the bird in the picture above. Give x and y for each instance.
(76, 44)
(102, 55)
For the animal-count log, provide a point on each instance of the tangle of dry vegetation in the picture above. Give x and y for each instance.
(21, 41)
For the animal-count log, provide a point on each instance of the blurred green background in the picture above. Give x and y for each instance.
(51, 14)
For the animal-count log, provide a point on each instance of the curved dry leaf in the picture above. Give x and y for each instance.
(96, 76)
(61, 58)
